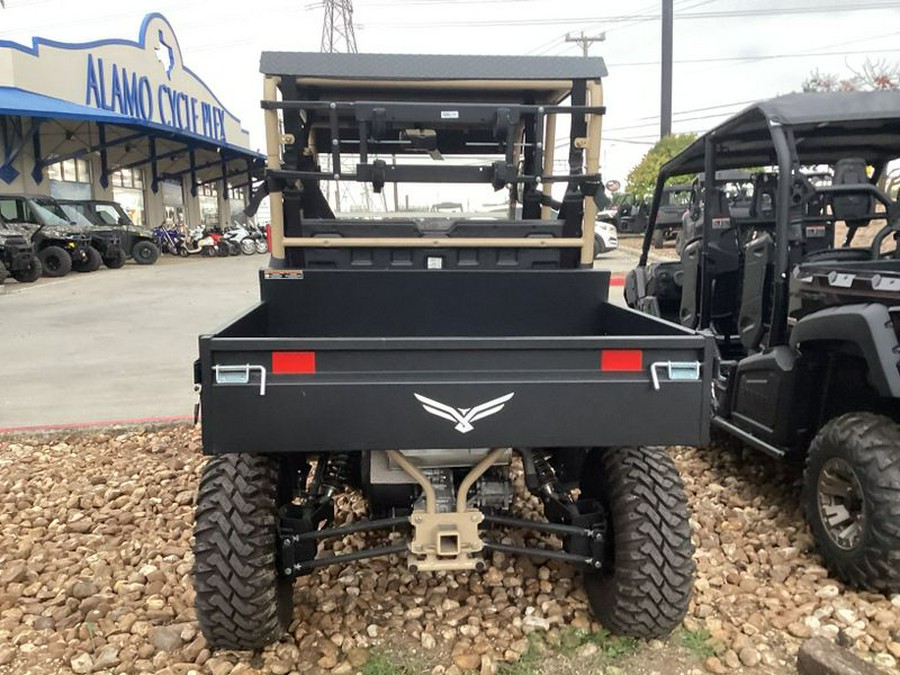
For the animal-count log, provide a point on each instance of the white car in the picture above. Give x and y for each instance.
(606, 238)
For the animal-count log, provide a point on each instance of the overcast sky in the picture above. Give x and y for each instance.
(727, 52)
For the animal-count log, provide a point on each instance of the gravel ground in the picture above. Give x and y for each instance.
(95, 576)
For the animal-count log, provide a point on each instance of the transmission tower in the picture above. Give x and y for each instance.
(338, 34)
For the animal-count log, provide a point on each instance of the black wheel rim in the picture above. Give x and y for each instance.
(841, 505)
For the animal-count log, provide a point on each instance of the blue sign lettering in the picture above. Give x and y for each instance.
(132, 95)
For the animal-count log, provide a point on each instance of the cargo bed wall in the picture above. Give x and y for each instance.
(351, 361)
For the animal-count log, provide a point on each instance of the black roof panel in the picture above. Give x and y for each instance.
(430, 66)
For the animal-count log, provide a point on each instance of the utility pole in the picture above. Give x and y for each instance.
(585, 40)
(665, 110)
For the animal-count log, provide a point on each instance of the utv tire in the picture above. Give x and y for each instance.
(248, 246)
(242, 600)
(145, 253)
(644, 588)
(55, 261)
(114, 258)
(659, 238)
(852, 499)
(599, 247)
(91, 263)
(31, 272)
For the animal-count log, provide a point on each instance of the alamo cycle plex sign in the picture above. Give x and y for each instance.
(142, 82)
(111, 87)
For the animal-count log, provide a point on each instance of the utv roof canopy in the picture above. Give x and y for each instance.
(545, 79)
(825, 126)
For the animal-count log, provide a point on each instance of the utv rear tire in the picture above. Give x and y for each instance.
(644, 588)
(91, 263)
(242, 600)
(853, 475)
(145, 253)
(31, 272)
(114, 258)
(55, 261)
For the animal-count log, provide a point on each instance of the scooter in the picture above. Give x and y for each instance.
(201, 242)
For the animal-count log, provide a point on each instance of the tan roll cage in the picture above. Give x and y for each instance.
(275, 140)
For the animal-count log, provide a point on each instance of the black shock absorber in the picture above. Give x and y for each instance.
(337, 473)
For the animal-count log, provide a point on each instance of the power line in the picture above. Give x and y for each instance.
(780, 11)
(764, 57)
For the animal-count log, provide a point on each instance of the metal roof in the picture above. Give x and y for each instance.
(430, 66)
(826, 127)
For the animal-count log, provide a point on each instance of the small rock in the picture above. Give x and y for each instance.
(82, 663)
(372, 630)
(467, 661)
(165, 639)
(107, 658)
(536, 622)
(895, 601)
(846, 616)
(358, 657)
(894, 648)
(83, 589)
(588, 650)
(750, 657)
(7, 654)
(732, 660)
(885, 661)
(279, 667)
(714, 665)
(428, 641)
(799, 630)
(828, 592)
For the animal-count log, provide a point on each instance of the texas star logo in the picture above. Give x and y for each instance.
(464, 417)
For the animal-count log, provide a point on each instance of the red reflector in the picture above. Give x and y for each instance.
(293, 363)
(622, 360)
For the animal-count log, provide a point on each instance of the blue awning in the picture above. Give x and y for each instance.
(15, 101)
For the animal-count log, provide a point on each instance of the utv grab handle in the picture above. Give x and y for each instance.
(677, 370)
(240, 375)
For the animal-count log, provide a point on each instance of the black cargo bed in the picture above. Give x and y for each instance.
(342, 360)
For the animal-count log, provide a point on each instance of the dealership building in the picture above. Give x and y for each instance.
(123, 120)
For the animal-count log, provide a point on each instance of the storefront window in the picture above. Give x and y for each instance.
(128, 190)
(173, 203)
(208, 197)
(237, 202)
(70, 179)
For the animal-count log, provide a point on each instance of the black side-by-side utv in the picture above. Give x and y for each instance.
(411, 358)
(802, 295)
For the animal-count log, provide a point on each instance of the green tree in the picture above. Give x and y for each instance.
(642, 178)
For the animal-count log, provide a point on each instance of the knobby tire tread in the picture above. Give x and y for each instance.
(646, 589)
(242, 602)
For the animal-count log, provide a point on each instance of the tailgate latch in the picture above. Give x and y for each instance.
(240, 375)
(677, 370)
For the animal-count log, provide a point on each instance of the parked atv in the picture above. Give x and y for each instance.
(17, 257)
(807, 324)
(60, 245)
(137, 242)
(105, 240)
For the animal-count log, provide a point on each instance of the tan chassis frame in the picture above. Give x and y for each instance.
(274, 142)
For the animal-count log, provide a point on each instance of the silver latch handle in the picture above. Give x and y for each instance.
(677, 370)
(240, 375)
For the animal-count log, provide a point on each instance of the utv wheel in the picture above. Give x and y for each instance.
(248, 246)
(852, 499)
(55, 262)
(91, 262)
(31, 272)
(242, 601)
(114, 258)
(645, 586)
(145, 253)
(659, 238)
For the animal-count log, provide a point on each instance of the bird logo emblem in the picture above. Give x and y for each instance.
(464, 417)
